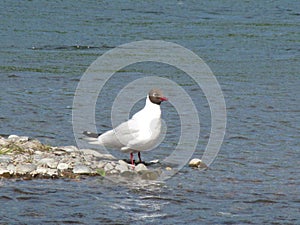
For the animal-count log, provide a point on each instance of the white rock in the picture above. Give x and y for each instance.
(69, 148)
(91, 152)
(122, 167)
(11, 168)
(23, 138)
(4, 170)
(5, 158)
(140, 167)
(122, 162)
(62, 166)
(81, 169)
(3, 142)
(101, 164)
(25, 168)
(197, 163)
(49, 162)
(108, 167)
(155, 161)
(113, 171)
(41, 170)
(13, 137)
(59, 152)
(52, 172)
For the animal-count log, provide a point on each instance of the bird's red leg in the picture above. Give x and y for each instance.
(131, 159)
(139, 155)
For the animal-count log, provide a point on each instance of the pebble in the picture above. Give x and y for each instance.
(140, 167)
(49, 162)
(4, 170)
(13, 137)
(25, 168)
(81, 169)
(197, 163)
(41, 170)
(63, 166)
(3, 142)
(69, 148)
(108, 167)
(11, 168)
(122, 167)
(5, 158)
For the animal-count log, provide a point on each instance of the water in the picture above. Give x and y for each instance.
(253, 49)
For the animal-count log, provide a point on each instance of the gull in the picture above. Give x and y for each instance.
(140, 133)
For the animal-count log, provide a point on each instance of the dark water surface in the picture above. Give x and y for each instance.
(253, 49)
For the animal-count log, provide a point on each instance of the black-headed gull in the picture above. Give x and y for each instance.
(140, 133)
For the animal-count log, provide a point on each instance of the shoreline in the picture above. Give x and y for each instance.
(23, 157)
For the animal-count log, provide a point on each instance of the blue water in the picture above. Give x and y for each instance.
(252, 48)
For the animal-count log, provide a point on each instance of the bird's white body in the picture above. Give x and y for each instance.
(140, 133)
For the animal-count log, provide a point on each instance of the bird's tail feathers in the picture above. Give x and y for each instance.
(92, 138)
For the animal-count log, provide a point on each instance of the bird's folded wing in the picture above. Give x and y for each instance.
(120, 136)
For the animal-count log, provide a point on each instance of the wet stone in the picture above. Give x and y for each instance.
(5, 158)
(4, 170)
(108, 167)
(62, 166)
(149, 175)
(81, 169)
(140, 167)
(122, 167)
(11, 168)
(197, 163)
(25, 168)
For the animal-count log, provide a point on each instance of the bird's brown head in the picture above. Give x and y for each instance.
(156, 96)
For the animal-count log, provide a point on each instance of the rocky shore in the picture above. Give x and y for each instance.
(23, 157)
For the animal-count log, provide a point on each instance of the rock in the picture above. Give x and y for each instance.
(52, 172)
(13, 137)
(58, 152)
(168, 168)
(5, 158)
(41, 170)
(155, 161)
(81, 169)
(69, 148)
(128, 174)
(122, 167)
(4, 171)
(25, 168)
(113, 171)
(23, 139)
(91, 152)
(49, 162)
(140, 167)
(122, 162)
(101, 164)
(197, 163)
(108, 167)
(62, 166)
(11, 168)
(3, 142)
(149, 175)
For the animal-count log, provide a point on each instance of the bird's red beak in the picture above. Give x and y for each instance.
(163, 99)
